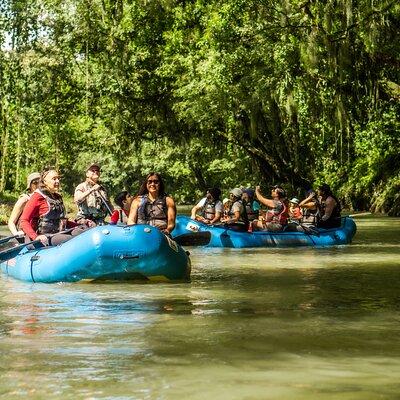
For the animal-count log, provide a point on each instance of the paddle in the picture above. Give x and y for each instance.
(8, 238)
(105, 202)
(14, 251)
(193, 239)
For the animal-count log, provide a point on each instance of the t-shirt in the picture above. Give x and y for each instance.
(219, 208)
(115, 216)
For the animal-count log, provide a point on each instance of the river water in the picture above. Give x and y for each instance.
(252, 324)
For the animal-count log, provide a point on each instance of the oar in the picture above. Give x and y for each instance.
(14, 251)
(105, 202)
(8, 238)
(194, 239)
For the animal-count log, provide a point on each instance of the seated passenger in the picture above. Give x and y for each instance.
(120, 214)
(295, 214)
(227, 206)
(330, 208)
(153, 206)
(310, 210)
(209, 209)
(276, 217)
(32, 183)
(44, 213)
(252, 205)
(236, 217)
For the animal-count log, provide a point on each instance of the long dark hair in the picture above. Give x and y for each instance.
(143, 188)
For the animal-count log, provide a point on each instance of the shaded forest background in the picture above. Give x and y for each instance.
(227, 93)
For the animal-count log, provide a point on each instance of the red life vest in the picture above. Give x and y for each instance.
(276, 215)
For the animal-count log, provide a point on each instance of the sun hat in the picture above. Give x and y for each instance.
(93, 165)
(225, 200)
(237, 192)
(31, 177)
(295, 200)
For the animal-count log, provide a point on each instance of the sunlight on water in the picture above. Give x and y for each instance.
(252, 324)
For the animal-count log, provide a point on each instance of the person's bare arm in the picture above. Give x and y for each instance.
(330, 204)
(263, 200)
(133, 213)
(80, 195)
(15, 214)
(171, 213)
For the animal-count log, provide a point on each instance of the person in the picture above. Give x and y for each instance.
(209, 209)
(276, 217)
(252, 205)
(236, 218)
(310, 210)
(123, 200)
(153, 206)
(330, 208)
(32, 183)
(91, 198)
(295, 214)
(227, 204)
(44, 214)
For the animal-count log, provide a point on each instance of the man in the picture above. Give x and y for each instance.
(91, 198)
(209, 209)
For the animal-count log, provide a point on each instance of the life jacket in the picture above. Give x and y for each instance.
(153, 213)
(92, 207)
(50, 222)
(335, 212)
(208, 210)
(243, 214)
(278, 216)
(122, 218)
(310, 217)
(251, 213)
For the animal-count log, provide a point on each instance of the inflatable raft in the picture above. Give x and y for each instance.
(104, 253)
(221, 236)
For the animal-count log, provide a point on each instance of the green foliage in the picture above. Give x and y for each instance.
(225, 93)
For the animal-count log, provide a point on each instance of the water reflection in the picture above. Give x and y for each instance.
(257, 323)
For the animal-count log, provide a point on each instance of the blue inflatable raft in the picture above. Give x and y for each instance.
(104, 253)
(221, 236)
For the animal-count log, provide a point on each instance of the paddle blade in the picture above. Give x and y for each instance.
(14, 251)
(194, 239)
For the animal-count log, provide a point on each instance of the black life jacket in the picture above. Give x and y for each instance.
(50, 222)
(335, 212)
(243, 219)
(153, 213)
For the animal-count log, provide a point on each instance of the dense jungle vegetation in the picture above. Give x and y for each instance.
(207, 92)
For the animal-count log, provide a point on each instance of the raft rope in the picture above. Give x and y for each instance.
(33, 258)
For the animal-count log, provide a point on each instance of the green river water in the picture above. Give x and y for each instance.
(298, 323)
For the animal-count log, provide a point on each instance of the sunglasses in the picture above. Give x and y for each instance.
(35, 182)
(155, 181)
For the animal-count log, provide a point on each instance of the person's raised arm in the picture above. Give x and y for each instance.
(263, 200)
(81, 194)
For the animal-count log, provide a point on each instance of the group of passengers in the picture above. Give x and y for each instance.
(40, 215)
(243, 211)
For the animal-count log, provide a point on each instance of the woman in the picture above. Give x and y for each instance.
(44, 214)
(236, 218)
(277, 215)
(152, 206)
(32, 184)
